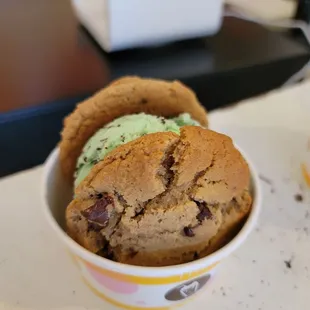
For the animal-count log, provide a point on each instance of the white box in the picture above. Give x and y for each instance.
(121, 24)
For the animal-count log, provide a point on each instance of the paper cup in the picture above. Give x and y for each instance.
(134, 287)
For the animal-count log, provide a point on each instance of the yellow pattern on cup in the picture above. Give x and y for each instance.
(148, 280)
(305, 174)
(117, 303)
(74, 258)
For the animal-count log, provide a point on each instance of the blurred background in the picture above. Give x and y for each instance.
(56, 53)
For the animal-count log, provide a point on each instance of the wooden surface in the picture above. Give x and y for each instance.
(43, 56)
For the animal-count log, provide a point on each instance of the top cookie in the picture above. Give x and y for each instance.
(125, 96)
(189, 190)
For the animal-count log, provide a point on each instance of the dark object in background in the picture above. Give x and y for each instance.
(243, 60)
(303, 11)
(302, 14)
(27, 136)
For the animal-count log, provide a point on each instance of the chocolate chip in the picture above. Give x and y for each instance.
(163, 121)
(120, 198)
(204, 213)
(78, 168)
(99, 148)
(85, 159)
(188, 232)
(123, 138)
(299, 197)
(98, 213)
(106, 252)
(110, 253)
(265, 179)
(288, 263)
(99, 196)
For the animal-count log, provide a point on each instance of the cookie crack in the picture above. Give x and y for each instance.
(139, 212)
(165, 173)
(123, 203)
(203, 172)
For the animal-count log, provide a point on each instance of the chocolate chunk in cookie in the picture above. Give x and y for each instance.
(98, 214)
(204, 213)
(188, 232)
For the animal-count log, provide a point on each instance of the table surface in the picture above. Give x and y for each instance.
(270, 271)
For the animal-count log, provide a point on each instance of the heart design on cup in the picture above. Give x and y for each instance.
(188, 290)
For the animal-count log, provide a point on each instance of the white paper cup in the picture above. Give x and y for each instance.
(134, 287)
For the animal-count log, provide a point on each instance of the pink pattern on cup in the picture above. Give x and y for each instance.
(113, 284)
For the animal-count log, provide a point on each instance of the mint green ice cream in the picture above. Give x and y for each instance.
(123, 130)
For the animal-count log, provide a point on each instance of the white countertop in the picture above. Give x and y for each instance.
(267, 9)
(270, 271)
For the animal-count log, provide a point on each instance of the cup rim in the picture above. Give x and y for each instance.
(153, 271)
